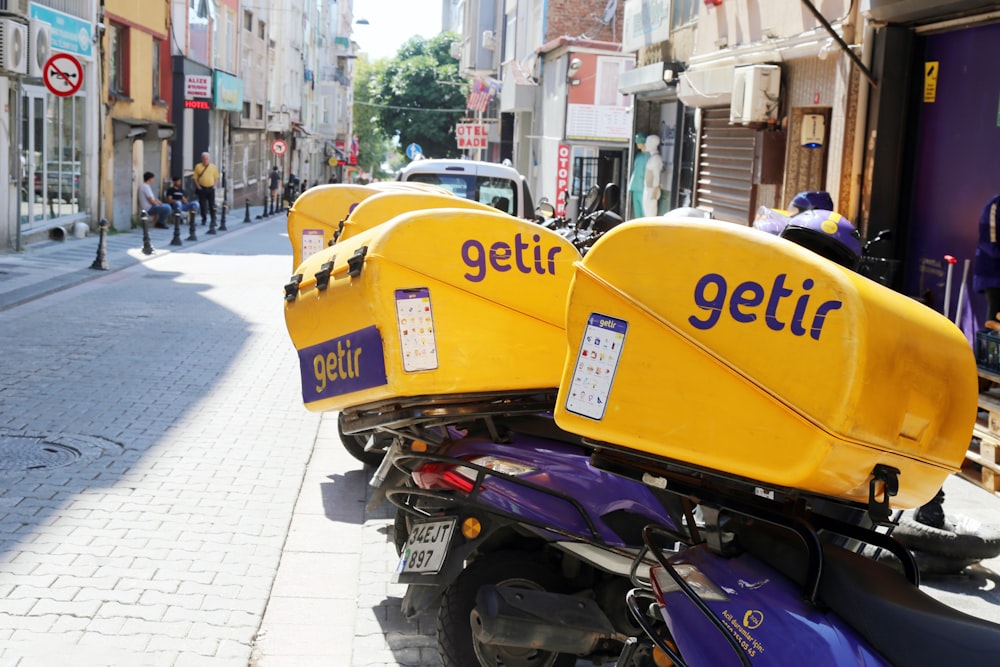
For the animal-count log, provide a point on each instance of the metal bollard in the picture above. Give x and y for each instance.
(101, 261)
(177, 229)
(222, 226)
(246, 216)
(147, 246)
(264, 213)
(211, 226)
(192, 236)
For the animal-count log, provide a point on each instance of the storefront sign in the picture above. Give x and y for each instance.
(645, 22)
(228, 92)
(471, 135)
(68, 33)
(197, 85)
(562, 178)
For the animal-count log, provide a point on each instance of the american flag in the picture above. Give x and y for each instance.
(479, 97)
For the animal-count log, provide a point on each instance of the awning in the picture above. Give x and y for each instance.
(300, 130)
(333, 151)
(144, 128)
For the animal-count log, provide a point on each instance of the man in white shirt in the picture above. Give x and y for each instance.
(153, 206)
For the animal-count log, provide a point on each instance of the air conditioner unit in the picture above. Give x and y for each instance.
(455, 50)
(19, 7)
(710, 87)
(489, 40)
(39, 46)
(755, 94)
(13, 46)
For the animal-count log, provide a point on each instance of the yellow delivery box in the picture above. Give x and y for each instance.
(430, 303)
(386, 205)
(317, 213)
(736, 351)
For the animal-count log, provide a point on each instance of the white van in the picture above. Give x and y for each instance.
(490, 183)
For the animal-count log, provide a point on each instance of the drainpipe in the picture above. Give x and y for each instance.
(861, 124)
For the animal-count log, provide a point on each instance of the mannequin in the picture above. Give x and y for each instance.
(637, 182)
(651, 189)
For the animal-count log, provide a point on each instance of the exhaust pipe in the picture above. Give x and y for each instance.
(539, 620)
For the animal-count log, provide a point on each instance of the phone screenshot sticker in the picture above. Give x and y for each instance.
(416, 329)
(596, 364)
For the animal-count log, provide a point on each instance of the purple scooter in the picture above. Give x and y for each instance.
(774, 580)
(526, 545)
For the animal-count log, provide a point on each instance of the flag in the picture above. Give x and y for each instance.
(966, 319)
(479, 97)
(355, 146)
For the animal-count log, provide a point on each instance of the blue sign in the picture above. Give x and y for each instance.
(413, 150)
(342, 365)
(228, 93)
(69, 33)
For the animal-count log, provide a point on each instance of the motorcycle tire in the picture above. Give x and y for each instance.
(518, 569)
(954, 542)
(355, 445)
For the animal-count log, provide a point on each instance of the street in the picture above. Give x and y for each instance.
(153, 445)
(165, 499)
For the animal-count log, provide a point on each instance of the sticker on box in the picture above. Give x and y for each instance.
(596, 365)
(415, 320)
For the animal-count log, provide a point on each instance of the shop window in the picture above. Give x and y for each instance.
(118, 60)
(584, 175)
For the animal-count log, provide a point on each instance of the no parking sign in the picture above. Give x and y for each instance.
(279, 147)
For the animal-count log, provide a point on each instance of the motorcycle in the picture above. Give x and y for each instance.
(793, 484)
(780, 588)
(597, 215)
(526, 546)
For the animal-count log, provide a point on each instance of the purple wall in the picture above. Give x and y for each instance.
(957, 159)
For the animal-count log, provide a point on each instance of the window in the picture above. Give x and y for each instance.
(261, 31)
(260, 112)
(118, 59)
(157, 45)
(246, 110)
(248, 20)
(684, 11)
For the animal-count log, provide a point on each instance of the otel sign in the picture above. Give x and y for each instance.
(63, 74)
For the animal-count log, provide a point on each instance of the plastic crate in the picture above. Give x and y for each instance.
(988, 350)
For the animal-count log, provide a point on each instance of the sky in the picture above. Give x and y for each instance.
(392, 22)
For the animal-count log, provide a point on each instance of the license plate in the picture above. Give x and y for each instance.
(426, 547)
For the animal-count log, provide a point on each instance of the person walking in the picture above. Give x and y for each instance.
(274, 186)
(149, 203)
(205, 176)
(178, 200)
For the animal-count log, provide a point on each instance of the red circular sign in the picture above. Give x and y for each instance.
(279, 147)
(63, 74)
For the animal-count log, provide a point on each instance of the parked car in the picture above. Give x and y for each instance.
(62, 182)
(497, 185)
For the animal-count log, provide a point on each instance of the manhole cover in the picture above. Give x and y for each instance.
(35, 454)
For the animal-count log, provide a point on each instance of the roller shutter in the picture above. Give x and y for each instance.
(725, 166)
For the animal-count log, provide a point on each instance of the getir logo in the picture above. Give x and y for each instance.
(501, 256)
(341, 365)
(779, 305)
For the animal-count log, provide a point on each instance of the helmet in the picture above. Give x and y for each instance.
(770, 220)
(828, 234)
(810, 199)
(686, 212)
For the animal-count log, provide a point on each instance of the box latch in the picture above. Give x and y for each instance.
(356, 261)
(323, 275)
(292, 287)
(884, 485)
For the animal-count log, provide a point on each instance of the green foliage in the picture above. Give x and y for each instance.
(419, 95)
(374, 146)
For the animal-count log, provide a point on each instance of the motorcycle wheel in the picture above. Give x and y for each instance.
(355, 445)
(514, 569)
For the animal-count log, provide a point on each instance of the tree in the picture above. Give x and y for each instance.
(420, 96)
(373, 144)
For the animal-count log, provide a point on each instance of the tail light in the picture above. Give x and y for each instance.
(450, 476)
(663, 583)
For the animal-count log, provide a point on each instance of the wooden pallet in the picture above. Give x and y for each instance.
(982, 460)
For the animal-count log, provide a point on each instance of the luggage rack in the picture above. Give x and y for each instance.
(801, 513)
(429, 411)
(406, 498)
